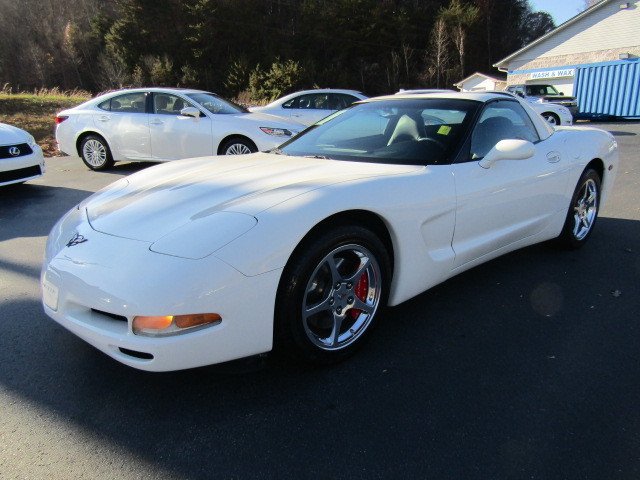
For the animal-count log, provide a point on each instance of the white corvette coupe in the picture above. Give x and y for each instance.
(197, 262)
(21, 158)
(163, 124)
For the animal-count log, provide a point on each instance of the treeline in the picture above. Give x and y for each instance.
(259, 48)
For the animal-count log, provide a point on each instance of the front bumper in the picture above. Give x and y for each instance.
(94, 289)
(21, 169)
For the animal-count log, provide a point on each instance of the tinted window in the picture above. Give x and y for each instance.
(541, 90)
(499, 121)
(310, 101)
(166, 104)
(106, 105)
(216, 104)
(338, 101)
(391, 131)
(129, 103)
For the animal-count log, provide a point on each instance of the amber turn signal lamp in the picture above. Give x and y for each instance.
(151, 323)
(186, 321)
(172, 324)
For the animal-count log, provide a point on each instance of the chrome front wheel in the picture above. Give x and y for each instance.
(331, 293)
(341, 297)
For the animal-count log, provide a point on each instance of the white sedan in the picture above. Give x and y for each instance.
(21, 158)
(309, 106)
(162, 124)
(197, 262)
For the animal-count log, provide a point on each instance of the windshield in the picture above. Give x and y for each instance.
(539, 90)
(216, 104)
(403, 131)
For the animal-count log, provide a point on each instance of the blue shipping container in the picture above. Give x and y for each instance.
(612, 89)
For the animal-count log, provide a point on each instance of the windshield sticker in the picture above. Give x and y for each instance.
(444, 130)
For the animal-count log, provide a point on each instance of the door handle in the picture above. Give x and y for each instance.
(156, 122)
(296, 115)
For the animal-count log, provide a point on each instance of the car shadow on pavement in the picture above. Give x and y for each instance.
(127, 168)
(31, 210)
(524, 366)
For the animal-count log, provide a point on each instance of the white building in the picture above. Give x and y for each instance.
(593, 56)
(480, 82)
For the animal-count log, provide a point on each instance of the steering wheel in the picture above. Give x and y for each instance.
(438, 143)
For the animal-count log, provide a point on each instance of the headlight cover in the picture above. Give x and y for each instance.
(31, 141)
(277, 132)
(201, 237)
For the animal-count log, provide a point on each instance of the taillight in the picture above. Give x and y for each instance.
(61, 118)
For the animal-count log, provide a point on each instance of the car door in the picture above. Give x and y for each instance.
(175, 136)
(513, 199)
(124, 122)
(308, 108)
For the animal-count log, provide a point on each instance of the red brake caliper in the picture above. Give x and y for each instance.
(361, 292)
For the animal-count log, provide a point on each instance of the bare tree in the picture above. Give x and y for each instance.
(438, 58)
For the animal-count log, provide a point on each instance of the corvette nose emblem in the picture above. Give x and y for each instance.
(76, 239)
(15, 151)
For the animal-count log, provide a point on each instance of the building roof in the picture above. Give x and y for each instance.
(504, 62)
(479, 74)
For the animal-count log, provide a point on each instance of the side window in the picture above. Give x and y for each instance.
(106, 105)
(306, 101)
(129, 103)
(321, 101)
(293, 103)
(500, 121)
(166, 104)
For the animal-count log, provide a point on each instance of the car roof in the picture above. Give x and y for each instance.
(483, 96)
(123, 91)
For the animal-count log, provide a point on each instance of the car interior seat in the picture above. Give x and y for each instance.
(161, 101)
(488, 133)
(178, 105)
(407, 128)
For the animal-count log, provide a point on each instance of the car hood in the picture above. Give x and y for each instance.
(11, 135)
(152, 203)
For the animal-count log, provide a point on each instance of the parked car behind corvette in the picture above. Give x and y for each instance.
(162, 124)
(309, 106)
(20, 156)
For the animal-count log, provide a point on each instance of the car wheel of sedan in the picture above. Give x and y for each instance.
(95, 153)
(583, 211)
(551, 118)
(330, 293)
(238, 146)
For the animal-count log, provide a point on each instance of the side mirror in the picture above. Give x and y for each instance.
(508, 150)
(561, 93)
(190, 112)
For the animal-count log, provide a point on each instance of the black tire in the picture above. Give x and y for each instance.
(551, 118)
(583, 212)
(238, 146)
(307, 280)
(95, 153)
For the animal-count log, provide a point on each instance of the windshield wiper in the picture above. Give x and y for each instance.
(320, 157)
(277, 151)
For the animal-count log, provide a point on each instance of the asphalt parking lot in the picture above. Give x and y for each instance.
(525, 367)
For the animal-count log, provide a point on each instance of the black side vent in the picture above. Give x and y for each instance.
(110, 315)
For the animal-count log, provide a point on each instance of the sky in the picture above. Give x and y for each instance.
(560, 10)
